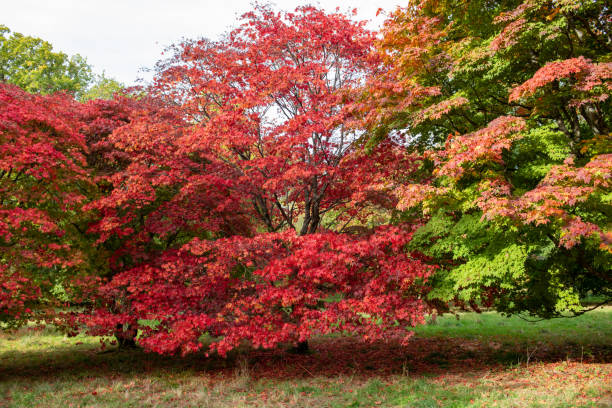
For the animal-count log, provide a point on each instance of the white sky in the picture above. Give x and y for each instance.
(120, 37)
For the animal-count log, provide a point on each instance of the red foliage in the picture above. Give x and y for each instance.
(42, 178)
(409, 42)
(486, 144)
(254, 140)
(160, 192)
(563, 187)
(16, 292)
(584, 76)
(272, 288)
(101, 117)
(269, 103)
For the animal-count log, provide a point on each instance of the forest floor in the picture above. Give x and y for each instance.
(480, 360)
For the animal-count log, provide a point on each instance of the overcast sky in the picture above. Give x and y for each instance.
(120, 37)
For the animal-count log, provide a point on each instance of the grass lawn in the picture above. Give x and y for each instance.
(480, 360)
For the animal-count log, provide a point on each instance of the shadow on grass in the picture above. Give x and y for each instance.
(330, 357)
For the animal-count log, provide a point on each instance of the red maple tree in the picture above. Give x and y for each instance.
(43, 184)
(233, 213)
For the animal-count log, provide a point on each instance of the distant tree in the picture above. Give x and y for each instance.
(31, 64)
(102, 87)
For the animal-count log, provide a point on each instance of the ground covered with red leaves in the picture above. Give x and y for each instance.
(48, 369)
(349, 356)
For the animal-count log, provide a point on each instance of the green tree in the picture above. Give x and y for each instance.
(509, 101)
(103, 87)
(31, 64)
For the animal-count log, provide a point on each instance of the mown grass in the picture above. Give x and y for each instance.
(481, 360)
(594, 328)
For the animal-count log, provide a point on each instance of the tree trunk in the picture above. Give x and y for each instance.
(302, 348)
(126, 338)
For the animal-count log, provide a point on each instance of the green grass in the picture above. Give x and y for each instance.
(480, 360)
(593, 328)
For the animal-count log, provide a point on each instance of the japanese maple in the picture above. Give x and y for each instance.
(231, 217)
(43, 184)
(510, 103)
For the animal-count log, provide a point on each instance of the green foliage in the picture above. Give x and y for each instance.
(519, 220)
(535, 154)
(102, 88)
(31, 64)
